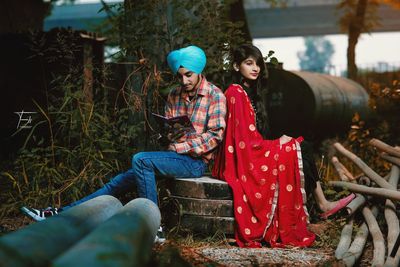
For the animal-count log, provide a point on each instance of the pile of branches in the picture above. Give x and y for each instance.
(370, 189)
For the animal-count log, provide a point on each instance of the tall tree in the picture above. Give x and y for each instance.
(24, 15)
(359, 16)
(317, 56)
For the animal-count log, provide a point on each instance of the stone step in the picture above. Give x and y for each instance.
(203, 187)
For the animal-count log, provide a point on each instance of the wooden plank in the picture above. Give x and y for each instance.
(208, 207)
(203, 187)
(208, 224)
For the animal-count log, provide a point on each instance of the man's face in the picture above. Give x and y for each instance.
(188, 79)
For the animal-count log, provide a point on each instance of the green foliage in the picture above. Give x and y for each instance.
(146, 31)
(317, 56)
(383, 124)
(78, 142)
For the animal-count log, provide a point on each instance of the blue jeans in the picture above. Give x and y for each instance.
(145, 166)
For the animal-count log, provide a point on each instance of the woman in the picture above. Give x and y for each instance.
(266, 176)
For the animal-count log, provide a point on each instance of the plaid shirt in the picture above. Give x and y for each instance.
(207, 111)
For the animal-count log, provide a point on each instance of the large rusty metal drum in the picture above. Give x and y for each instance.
(313, 105)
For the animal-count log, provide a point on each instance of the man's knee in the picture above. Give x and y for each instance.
(137, 159)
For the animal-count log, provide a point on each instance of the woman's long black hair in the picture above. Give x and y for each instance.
(258, 87)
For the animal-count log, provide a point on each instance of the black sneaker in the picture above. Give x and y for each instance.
(160, 237)
(39, 214)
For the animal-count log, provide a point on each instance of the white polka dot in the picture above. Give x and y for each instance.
(239, 210)
(267, 154)
(253, 219)
(233, 100)
(273, 187)
(244, 198)
(251, 166)
(275, 172)
(268, 215)
(282, 167)
(264, 168)
(244, 178)
(289, 188)
(262, 181)
(231, 149)
(230, 115)
(258, 195)
(288, 148)
(252, 127)
(297, 206)
(276, 156)
(242, 145)
(237, 122)
(247, 231)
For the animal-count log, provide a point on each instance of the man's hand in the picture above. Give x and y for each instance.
(177, 135)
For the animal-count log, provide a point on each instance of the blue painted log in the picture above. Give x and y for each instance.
(39, 243)
(125, 239)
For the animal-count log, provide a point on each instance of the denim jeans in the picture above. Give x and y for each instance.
(145, 166)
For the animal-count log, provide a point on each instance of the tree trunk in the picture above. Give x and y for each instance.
(237, 14)
(356, 26)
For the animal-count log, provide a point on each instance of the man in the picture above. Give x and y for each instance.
(188, 154)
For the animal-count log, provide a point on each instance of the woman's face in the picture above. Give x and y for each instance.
(249, 69)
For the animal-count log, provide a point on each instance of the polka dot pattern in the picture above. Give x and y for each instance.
(242, 145)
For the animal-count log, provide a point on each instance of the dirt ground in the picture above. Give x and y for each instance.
(180, 251)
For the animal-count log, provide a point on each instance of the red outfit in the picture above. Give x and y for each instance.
(266, 178)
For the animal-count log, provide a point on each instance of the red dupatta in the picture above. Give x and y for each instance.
(266, 178)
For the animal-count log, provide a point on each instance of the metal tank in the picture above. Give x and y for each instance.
(313, 105)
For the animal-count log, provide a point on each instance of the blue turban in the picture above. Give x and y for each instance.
(192, 58)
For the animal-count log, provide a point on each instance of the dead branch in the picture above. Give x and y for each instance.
(392, 220)
(391, 159)
(385, 147)
(345, 239)
(364, 167)
(377, 238)
(356, 248)
(354, 205)
(364, 180)
(379, 192)
(344, 174)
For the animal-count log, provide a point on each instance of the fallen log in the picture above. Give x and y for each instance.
(364, 180)
(385, 147)
(355, 204)
(377, 238)
(379, 192)
(364, 167)
(357, 246)
(392, 220)
(342, 171)
(345, 239)
(391, 159)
